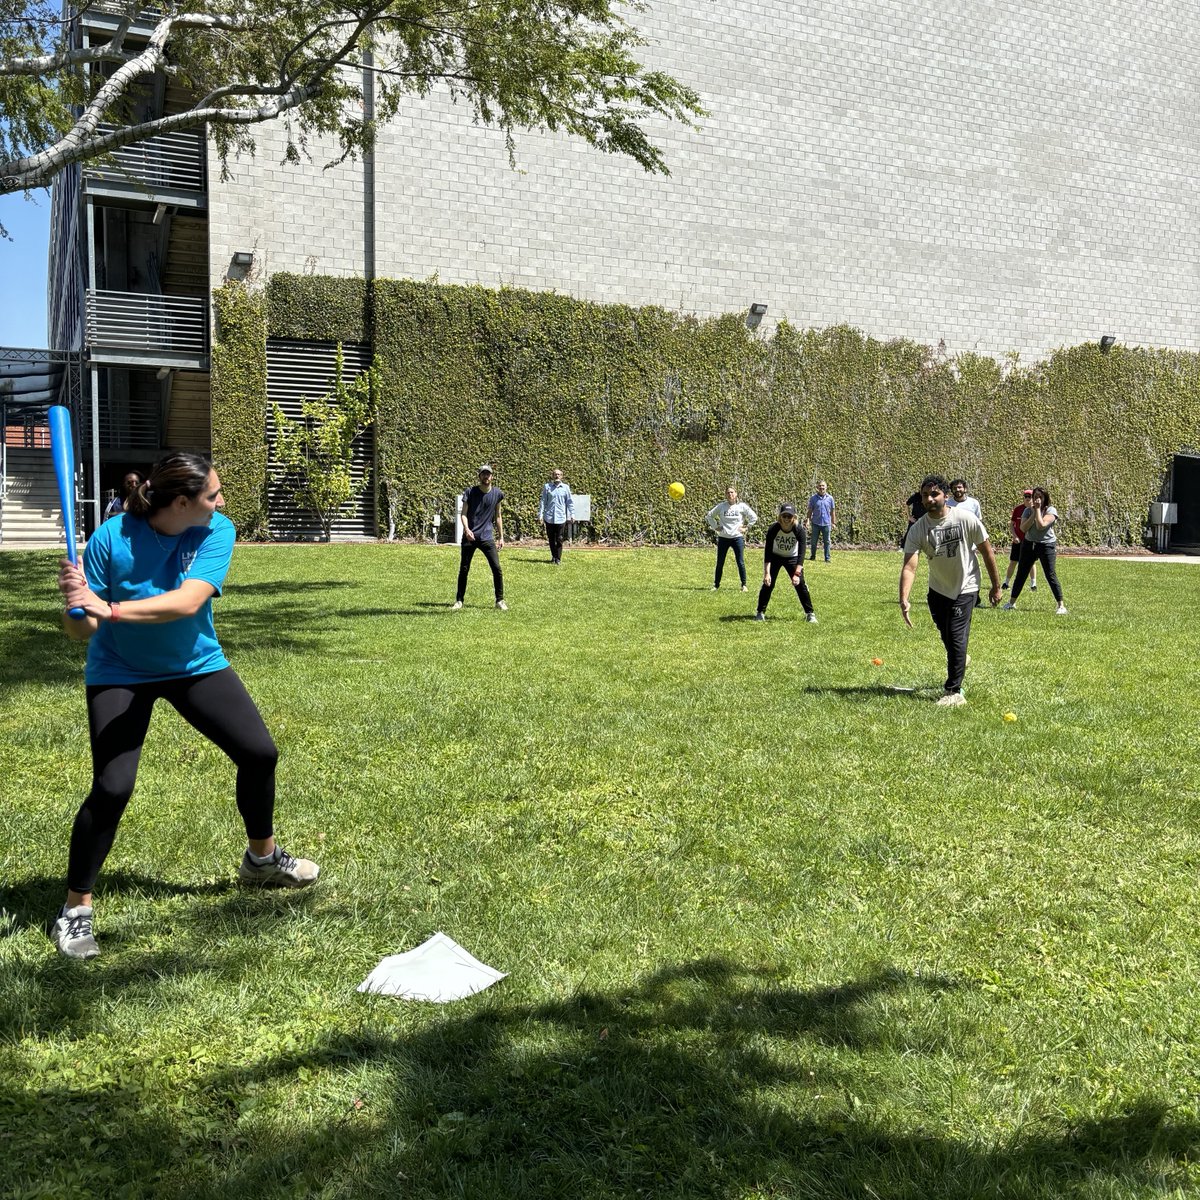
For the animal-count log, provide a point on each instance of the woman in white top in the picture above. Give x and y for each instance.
(729, 520)
(1037, 523)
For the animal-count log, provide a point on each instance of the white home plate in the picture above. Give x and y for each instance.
(439, 970)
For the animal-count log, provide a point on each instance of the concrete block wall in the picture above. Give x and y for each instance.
(994, 174)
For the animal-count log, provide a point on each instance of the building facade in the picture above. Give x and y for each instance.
(989, 175)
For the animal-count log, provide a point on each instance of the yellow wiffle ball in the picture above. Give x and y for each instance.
(676, 491)
(1010, 716)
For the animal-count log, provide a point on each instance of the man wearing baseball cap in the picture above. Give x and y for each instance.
(482, 530)
(784, 557)
(1018, 537)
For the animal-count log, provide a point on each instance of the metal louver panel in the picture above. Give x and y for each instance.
(296, 371)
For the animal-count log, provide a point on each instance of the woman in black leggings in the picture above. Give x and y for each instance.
(1037, 523)
(146, 588)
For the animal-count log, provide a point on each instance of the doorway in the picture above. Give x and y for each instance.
(1185, 492)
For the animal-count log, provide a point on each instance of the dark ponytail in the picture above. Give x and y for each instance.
(177, 474)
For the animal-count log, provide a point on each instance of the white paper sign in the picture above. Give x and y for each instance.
(438, 970)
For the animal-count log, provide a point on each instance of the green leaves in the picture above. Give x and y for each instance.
(318, 450)
(517, 64)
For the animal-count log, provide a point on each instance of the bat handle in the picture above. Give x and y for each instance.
(76, 614)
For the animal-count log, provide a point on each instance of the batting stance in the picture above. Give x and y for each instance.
(147, 585)
(949, 538)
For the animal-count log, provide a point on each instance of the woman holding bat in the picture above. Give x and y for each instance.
(146, 589)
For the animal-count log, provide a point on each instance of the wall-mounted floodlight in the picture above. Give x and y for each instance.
(243, 258)
(755, 315)
(1107, 342)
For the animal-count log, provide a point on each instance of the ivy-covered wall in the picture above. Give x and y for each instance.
(626, 400)
(239, 403)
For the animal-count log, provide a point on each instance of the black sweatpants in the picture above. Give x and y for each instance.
(218, 706)
(1032, 552)
(788, 565)
(554, 535)
(489, 551)
(953, 620)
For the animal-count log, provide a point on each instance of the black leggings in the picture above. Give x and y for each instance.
(785, 567)
(1031, 552)
(488, 550)
(218, 706)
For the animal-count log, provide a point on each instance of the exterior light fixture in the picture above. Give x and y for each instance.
(243, 258)
(1107, 342)
(755, 315)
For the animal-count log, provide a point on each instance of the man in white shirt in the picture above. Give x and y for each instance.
(958, 498)
(949, 537)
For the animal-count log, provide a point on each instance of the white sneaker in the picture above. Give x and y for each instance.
(1061, 611)
(952, 700)
(72, 932)
(501, 606)
(281, 871)
(1033, 587)
(744, 588)
(1008, 607)
(456, 606)
(811, 618)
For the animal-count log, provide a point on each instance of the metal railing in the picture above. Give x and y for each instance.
(168, 160)
(176, 325)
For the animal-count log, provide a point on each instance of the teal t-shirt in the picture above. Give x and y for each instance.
(126, 559)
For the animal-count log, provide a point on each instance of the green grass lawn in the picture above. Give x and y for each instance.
(772, 928)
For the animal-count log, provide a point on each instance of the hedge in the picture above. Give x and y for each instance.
(627, 400)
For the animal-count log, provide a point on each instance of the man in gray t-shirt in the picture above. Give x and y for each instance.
(949, 538)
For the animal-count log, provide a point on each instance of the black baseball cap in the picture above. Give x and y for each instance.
(787, 510)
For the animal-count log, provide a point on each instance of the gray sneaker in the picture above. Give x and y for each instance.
(760, 616)
(282, 871)
(72, 932)
(952, 700)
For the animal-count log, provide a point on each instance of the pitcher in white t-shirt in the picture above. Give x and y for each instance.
(949, 538)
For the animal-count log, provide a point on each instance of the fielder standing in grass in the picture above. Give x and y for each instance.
(482, 530)
(146, 586)
(822, 517)
(783, 556)
(555, 509)
(949, 537)
(730, 520)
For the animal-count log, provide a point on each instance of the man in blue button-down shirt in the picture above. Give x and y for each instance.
(821, 518)
(555, 510)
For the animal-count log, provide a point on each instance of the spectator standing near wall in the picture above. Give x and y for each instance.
(556, 508)
(821, 518)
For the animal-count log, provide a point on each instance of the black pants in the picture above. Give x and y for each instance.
(489, 551)
(738, 546)
(554, 535)
(1032, 552)
(953, 620)
(218, 706)
(779, 567)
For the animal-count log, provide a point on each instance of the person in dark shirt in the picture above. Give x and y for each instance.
(784, 554)
(482, 530)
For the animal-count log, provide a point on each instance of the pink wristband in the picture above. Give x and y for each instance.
(115, 606)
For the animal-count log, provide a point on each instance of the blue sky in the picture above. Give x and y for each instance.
(23, 269)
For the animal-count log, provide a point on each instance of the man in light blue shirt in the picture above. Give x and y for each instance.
(821, 517)
(554, 511)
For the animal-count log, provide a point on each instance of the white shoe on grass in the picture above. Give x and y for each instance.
(1061, 611)
(811, 618)
(1008, 607)
(72, 932)
(456, 606)
(281, 871)
(952, 700)
(501, 606)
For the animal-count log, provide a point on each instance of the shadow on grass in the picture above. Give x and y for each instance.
(34, 901)
(687, 1083)
(288, 587)
(875, 691)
